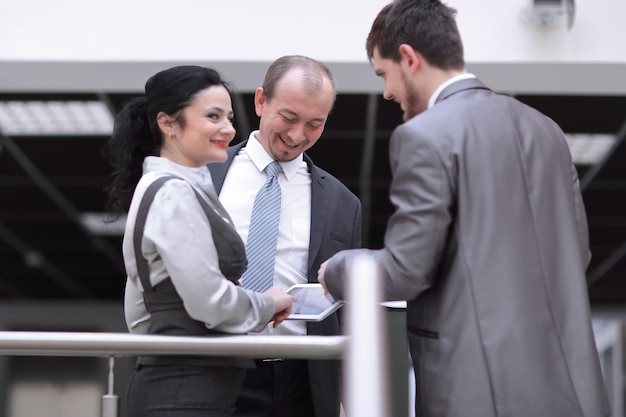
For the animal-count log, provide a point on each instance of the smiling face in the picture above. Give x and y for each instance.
(293, 119)
(206, 132)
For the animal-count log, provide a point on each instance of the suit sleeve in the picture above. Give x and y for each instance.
(357, 227)
(416, 233)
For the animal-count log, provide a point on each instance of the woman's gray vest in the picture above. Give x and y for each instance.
(167, 313)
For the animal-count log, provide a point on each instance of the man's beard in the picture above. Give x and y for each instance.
(411, 106)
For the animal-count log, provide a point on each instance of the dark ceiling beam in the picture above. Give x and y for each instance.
(590, 176)
(606, 221)
(367, 162)
(607, 185)
(605, 266)
(35, 260)
(61, 201)
(350, 134)
(63, 181)
(8, 289)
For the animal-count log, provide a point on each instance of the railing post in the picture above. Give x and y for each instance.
(110, 400)
(365, 359)
(399, 359)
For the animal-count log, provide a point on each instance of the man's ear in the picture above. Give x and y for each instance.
(259, 101)
(410, 57)
(166, 123)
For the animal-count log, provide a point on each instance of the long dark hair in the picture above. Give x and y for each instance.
(136, 133)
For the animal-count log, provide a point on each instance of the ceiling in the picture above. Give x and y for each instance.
(48, 182)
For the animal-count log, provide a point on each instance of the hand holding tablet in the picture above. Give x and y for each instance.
(312, 304)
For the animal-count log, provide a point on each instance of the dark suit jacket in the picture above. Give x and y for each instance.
(488, 244)
(335, 226)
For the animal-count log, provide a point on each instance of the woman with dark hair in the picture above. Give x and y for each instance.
(181, 252)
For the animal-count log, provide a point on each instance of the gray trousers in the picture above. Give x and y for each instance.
(183, 391)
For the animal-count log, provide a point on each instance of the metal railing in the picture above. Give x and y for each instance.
(18, 343)
(363, 348)
(112, 345)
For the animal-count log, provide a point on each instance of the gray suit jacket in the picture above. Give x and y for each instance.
(335, 226)
(488, 244)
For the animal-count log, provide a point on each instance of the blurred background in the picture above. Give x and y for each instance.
(67, 67)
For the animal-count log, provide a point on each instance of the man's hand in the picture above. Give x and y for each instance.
(320, 275)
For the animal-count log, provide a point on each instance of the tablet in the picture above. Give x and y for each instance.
(312, 304)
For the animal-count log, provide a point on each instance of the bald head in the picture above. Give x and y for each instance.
(314, 74)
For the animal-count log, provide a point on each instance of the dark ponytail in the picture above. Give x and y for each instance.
(131, 142)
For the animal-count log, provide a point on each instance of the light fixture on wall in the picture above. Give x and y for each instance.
(545, 13)
(50, 118)
(589, 149)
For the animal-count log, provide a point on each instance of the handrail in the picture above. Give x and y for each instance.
(22, 343)
(363, 348)
(111, 345)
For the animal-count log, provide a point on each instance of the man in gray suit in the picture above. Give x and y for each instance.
(318, 218)
(488, 242)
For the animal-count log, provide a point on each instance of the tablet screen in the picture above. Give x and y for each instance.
(312, 303)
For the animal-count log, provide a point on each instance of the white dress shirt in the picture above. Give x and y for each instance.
(178, 243)
(435, 96)
(244, 179)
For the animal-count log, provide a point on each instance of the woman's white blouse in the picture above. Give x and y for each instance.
(178, 243)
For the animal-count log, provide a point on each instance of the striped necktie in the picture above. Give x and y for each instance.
(261, 245)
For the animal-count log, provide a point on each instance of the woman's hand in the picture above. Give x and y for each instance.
(282, 302)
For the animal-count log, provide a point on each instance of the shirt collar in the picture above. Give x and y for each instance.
(199, 176)
(261, 159)
(454, 79)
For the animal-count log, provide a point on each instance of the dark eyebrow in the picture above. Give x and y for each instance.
(220, 110)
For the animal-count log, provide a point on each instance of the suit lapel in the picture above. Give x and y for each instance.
(319, 203)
